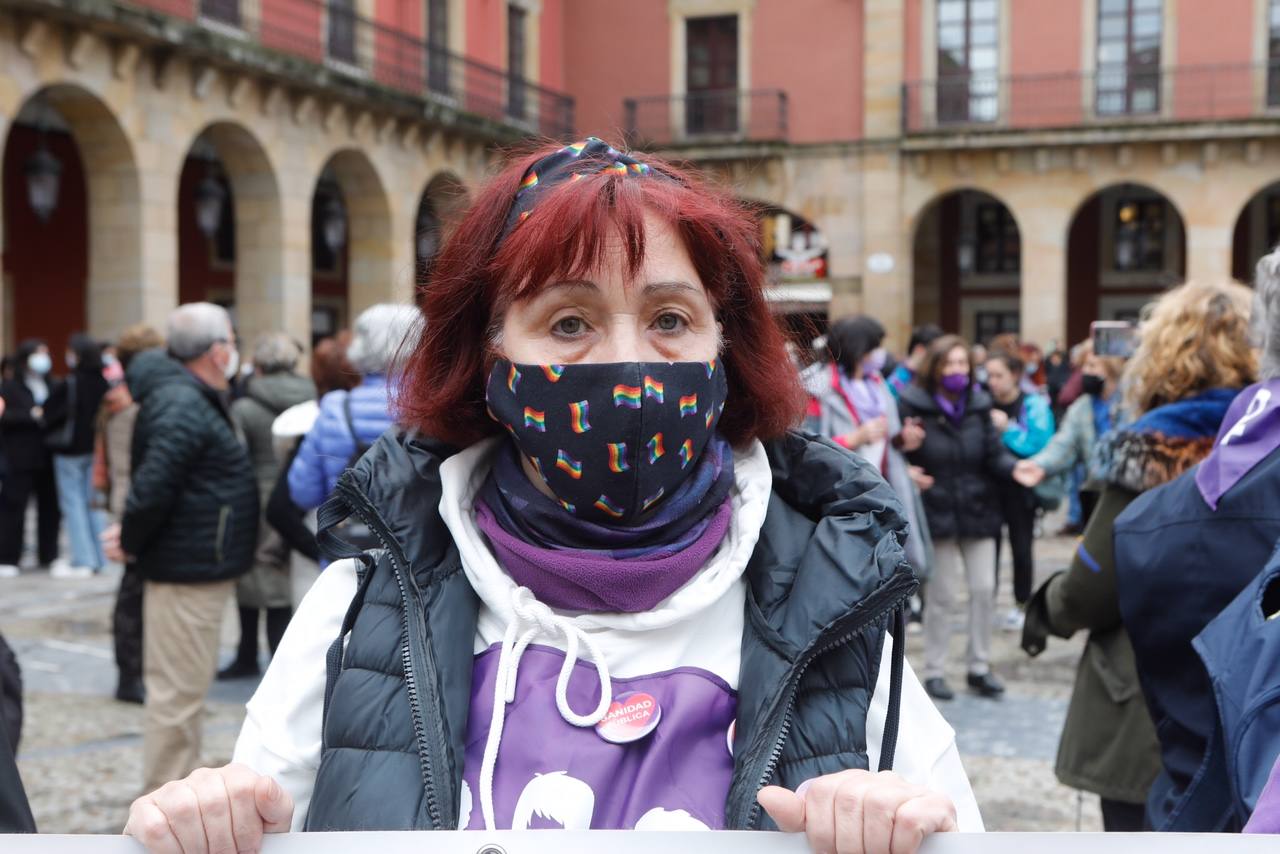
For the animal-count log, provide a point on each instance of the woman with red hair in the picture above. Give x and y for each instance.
(614, 590)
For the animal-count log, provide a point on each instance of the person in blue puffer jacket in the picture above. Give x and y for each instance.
(353, 420)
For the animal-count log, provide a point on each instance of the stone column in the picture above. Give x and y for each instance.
(1043, 304)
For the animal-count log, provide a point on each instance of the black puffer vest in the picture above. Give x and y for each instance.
(826, 579)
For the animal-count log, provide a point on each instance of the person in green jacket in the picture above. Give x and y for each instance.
(1193, 358)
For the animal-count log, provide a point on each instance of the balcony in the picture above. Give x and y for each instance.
(1107, 97)
(706, 118)
(338, 47)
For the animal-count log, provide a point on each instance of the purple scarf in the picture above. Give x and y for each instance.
(1250, 431)
(578, 565)
(952, 409)
(864, 396)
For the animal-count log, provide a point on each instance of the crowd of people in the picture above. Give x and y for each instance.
(987, 447)
(585, 471)
(192, 470)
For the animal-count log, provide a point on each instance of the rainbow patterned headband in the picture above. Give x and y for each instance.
(570, 163)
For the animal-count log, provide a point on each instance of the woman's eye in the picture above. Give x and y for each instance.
(569, 326)
(669, 322)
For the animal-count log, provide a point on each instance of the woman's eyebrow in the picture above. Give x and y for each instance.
(674, 285)
(574, 284)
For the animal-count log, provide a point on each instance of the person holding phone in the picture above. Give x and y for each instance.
(1193, 357)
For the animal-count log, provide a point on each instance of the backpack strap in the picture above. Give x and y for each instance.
(361, 445)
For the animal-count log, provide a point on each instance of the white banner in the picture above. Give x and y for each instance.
(633, 842)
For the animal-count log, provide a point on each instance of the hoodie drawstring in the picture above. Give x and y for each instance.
(530, 620)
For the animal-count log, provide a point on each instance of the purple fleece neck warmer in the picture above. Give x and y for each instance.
(579, 580)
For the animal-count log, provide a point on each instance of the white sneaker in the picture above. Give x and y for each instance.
(62, 569)
(8, 570)
(1014, 620)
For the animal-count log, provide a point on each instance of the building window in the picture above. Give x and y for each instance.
(438, 46)
(999, 249)
(1273, 53)
(968, 60)
(222, 11)
(516, 19)
(711, 75)
(1129, 34)
(342, 30)
(989, 324)
(1141, 231)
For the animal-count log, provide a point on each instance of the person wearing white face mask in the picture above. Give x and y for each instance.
(189, 526)
(70, 417)
(29, 463)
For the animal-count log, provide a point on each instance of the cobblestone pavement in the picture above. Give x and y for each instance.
(80, 755)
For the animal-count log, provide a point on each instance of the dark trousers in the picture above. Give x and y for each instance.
(277, 622)
(19, 486)
(1122, 817)
(126, 626)
(1017, 505)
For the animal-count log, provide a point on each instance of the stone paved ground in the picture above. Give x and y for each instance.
(81, 751)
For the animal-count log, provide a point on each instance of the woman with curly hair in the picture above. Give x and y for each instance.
(1192, 359)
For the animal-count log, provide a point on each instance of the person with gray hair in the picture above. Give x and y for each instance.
(1183, 553)
(189, 526)
(350, 421)
(270, 390)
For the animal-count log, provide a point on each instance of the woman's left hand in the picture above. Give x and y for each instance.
(858, 812)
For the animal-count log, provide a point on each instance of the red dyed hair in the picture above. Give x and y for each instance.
(477, 274)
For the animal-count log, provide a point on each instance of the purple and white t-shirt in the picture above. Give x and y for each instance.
(668, 767)
(684, 654)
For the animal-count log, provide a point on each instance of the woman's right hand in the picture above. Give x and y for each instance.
(212, 809)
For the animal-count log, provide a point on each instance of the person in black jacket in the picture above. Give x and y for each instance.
(70, 418)
(189, 525)
(29, 463)
(962, 459)
(660, 395)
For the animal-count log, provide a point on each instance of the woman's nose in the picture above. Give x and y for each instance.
(623, 343)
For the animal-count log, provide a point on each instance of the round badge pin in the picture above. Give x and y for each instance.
(733, 730)
(630, 718)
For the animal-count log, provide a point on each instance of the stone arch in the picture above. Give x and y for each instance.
(442, 202)
(966, 263)
(1126, 242)
(1256, 231)
(371, 258)
(114, 291)
(263, 301)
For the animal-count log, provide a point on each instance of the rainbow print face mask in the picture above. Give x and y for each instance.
(610, 440)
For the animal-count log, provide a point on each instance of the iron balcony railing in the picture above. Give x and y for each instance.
(329, 33)
(725, 116)
(1105, 96)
